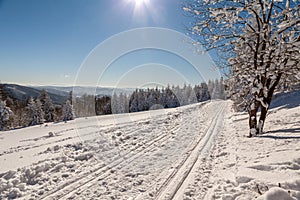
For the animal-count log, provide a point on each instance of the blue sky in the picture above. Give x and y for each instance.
(46, 42)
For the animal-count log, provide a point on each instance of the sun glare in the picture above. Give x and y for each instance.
(139, 3)
(142, 10)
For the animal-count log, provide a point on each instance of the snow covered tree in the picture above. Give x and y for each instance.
(222, 89)
(103, 105)
(171, 99)
(202, 92)
(217, 88)
(115, 103)
(211, 89)
(258, 40)
(123, 101)
(67, 112)
(49, 110)
(142, 100)
(5, 114)
(35, 112)
(1, 91)
(47, 106)
(133, 102)
(70, 97)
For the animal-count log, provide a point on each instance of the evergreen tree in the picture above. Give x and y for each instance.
(205, 95)
(133, 102)
(142, 98)
(70, 97)
(211, 89)
(222, 89)
(103, 105)
(5, 114)
(122, 103)
(68, 113)
(35, 112)
(115, 104)
(49, 110)
(1, 91)
(47, 106)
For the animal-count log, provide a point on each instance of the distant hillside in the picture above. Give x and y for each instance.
(81, 90)
(58, 94)
(20, 92)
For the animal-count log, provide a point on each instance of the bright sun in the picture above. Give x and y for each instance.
(139, 2)
(141, 9)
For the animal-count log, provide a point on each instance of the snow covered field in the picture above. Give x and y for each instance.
(161, 154)
(243, 168)
(141, 155)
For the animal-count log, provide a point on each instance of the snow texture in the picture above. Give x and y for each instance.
(197, 151)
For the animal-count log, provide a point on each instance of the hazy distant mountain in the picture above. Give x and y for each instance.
(20, 92)
(57, 94)
(81, 90)
(49, 89)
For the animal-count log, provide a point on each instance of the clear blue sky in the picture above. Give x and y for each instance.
(45, 42)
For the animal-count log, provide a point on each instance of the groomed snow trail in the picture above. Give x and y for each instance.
(187, 172)
(149, 155)
(183, 176)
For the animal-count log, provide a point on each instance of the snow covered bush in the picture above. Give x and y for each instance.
(258, 42)
(5, 113)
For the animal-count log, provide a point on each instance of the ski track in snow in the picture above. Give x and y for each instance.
(181, 177)
(193, 152)
(134, 156)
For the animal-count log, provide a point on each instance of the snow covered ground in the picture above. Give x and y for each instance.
(140, 155)
(265, 167)
(198, 151)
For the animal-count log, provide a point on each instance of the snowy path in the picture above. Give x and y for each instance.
(148, 155)
(178, 181)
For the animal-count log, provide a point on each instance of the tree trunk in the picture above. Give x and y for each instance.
(262, 118)
(267, 101)
(253, 118)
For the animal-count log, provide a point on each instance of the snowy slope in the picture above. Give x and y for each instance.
(198, 151)
(139, 155)
(265, 167)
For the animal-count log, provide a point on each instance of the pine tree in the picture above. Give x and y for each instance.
(70, 97)
(47, 106)
(1, 91)
(133, 102)
(68, 113)
(35, 112)
(122, 100)
(115, 104)
(5, 114)
(49, 110)
(222, 89)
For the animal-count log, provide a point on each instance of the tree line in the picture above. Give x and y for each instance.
(148, 99)
(17, 113)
